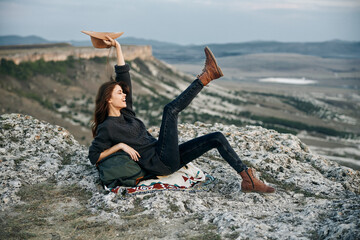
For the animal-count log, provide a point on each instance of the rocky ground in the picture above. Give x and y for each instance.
(49, 190)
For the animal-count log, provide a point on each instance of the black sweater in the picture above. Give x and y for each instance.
(129, 130)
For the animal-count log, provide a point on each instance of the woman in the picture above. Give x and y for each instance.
(115, 128)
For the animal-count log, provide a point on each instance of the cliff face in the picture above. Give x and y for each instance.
(62, 53)
(49, 186)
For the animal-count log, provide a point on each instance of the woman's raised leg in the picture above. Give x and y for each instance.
(168, 143)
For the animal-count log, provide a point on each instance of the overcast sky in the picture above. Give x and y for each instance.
(185, 21)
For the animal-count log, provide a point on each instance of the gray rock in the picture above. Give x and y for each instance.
(315, 198)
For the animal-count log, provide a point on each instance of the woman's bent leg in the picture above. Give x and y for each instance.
(168, 143)
(196, 147)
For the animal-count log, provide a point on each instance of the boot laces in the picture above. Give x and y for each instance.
(251, 176)
(204, 69)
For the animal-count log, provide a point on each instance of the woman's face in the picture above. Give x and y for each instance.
(118, 98)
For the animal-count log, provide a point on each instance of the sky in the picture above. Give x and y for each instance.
(185, 21)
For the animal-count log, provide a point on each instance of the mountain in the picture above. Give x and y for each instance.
(329, 49)
(18, 40)
(175, 53)
(50, 190)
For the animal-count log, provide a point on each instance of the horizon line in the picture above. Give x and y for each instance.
(189, 44)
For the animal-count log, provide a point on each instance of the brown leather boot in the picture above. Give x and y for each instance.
(211, 70)
(251, 184)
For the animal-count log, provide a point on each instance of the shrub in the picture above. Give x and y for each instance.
(26, 70)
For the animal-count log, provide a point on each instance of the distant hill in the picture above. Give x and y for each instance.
(18, 40)
(35, 46)
(329, 49)
(175, 53)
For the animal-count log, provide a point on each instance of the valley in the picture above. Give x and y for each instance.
(325, 115)
(331, 101)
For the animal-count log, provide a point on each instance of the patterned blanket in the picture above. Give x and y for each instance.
(188, 178)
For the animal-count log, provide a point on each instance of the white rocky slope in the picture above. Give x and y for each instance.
(315, 198)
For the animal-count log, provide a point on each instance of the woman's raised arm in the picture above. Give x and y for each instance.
(120, 57)
(122, 72)
(119, 54)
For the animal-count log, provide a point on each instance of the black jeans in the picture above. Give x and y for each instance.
(176, 156)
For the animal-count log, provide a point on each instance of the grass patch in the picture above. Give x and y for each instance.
(32, 217)
(14, 139)
(13, 229)
(202, 231)
(47, 191)
(144, 69)
(301, 126)
(137, 222)
(27, 70)
(234, 101)
(207, 236)
(65, 81)
(301, 105)
(36, 97)
(207, 232)
(17, 161)
(7, 126)
(138, 208)
(233, 235)
(280, 129)
(174, 207)
(66, 158)
(99, 60)
(169, 83)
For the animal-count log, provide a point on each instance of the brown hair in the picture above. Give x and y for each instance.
(101, 102)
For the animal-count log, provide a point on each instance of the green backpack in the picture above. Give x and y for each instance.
(119, 169)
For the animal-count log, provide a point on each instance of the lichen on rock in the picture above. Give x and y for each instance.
(313, 194)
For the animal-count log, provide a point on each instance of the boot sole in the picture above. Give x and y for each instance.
(256, 192)
(214, 59)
